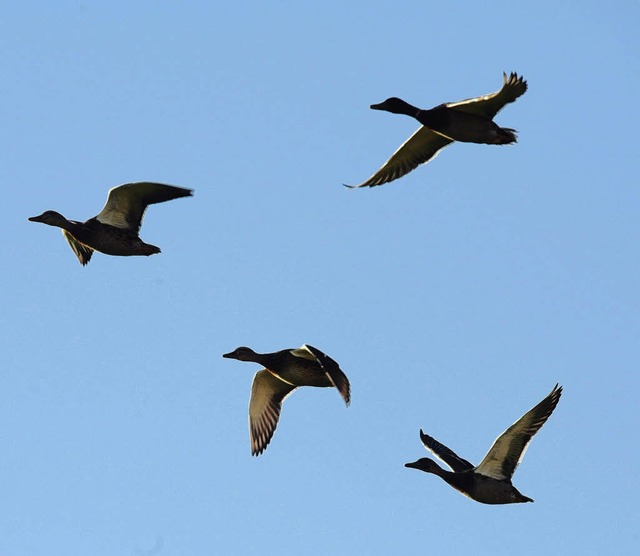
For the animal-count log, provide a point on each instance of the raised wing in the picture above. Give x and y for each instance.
(509, 448)
(126, 203)
(420, 148)
(489, 105)
(267, 394)
(333, 370)
(445, 454)
(82, 251)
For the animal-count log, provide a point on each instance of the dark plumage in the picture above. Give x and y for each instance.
(283, 372)
(114, 231)
(469, 121)
(490, 482)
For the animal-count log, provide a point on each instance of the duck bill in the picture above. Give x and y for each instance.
(412, 465)
(377, 106)
(36, 219)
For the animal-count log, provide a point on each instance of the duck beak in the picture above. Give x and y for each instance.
(377, 106)
(36, 219)
(412, 465)
(228, 355)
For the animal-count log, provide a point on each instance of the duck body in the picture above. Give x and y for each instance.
(465, 127)
(114, 231)
(490, 481)
(112, 240)
(467, 121)
(283, 372)
(485, 489)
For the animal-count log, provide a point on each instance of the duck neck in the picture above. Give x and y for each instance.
(61, 222)
(437, 470)
(268, 360)
(261, 358)
(409, 109)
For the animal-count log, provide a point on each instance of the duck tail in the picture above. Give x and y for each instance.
(506, 136)
(147, 249)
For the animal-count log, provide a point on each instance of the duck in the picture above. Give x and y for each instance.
(490, 482)
(283, 372)
(468, 121)
(114, 230)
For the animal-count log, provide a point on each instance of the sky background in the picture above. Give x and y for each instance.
(453, 299)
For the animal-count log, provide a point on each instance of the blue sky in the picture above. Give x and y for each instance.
(454, 299)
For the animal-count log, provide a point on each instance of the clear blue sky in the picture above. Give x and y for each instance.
(454, 298)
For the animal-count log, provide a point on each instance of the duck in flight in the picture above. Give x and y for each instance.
(114, 230)
(283, 372)
(490, 482)
(469, 121)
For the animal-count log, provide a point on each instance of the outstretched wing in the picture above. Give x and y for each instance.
(445, 454)
(267, 394)
(489, 105)
(126, 203)
(509, 448)
(420, 148)
(82, 251)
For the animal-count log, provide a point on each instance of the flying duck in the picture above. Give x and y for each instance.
(490, 482)
(283, 372)
(469, 121)
(114, 230)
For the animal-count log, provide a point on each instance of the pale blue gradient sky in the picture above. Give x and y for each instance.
(454, 299)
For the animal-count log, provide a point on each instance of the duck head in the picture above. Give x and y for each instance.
(396, 105)
(50, 217)
(425, 464)
(241, 354)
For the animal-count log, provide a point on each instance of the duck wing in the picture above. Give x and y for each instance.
(509, 448)
(445, 454)
(82, 251)
(420, 148)
(126, 203)
(332, 369)
(267, 394)
(489, 105)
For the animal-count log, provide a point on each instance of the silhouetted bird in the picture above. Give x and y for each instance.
(490, 482)
(114, 231)
(469, 121)
(285, 371)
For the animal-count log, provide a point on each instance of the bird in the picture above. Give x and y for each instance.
(283, 372)
(469, 121)
(114, 230)
(490, 482)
